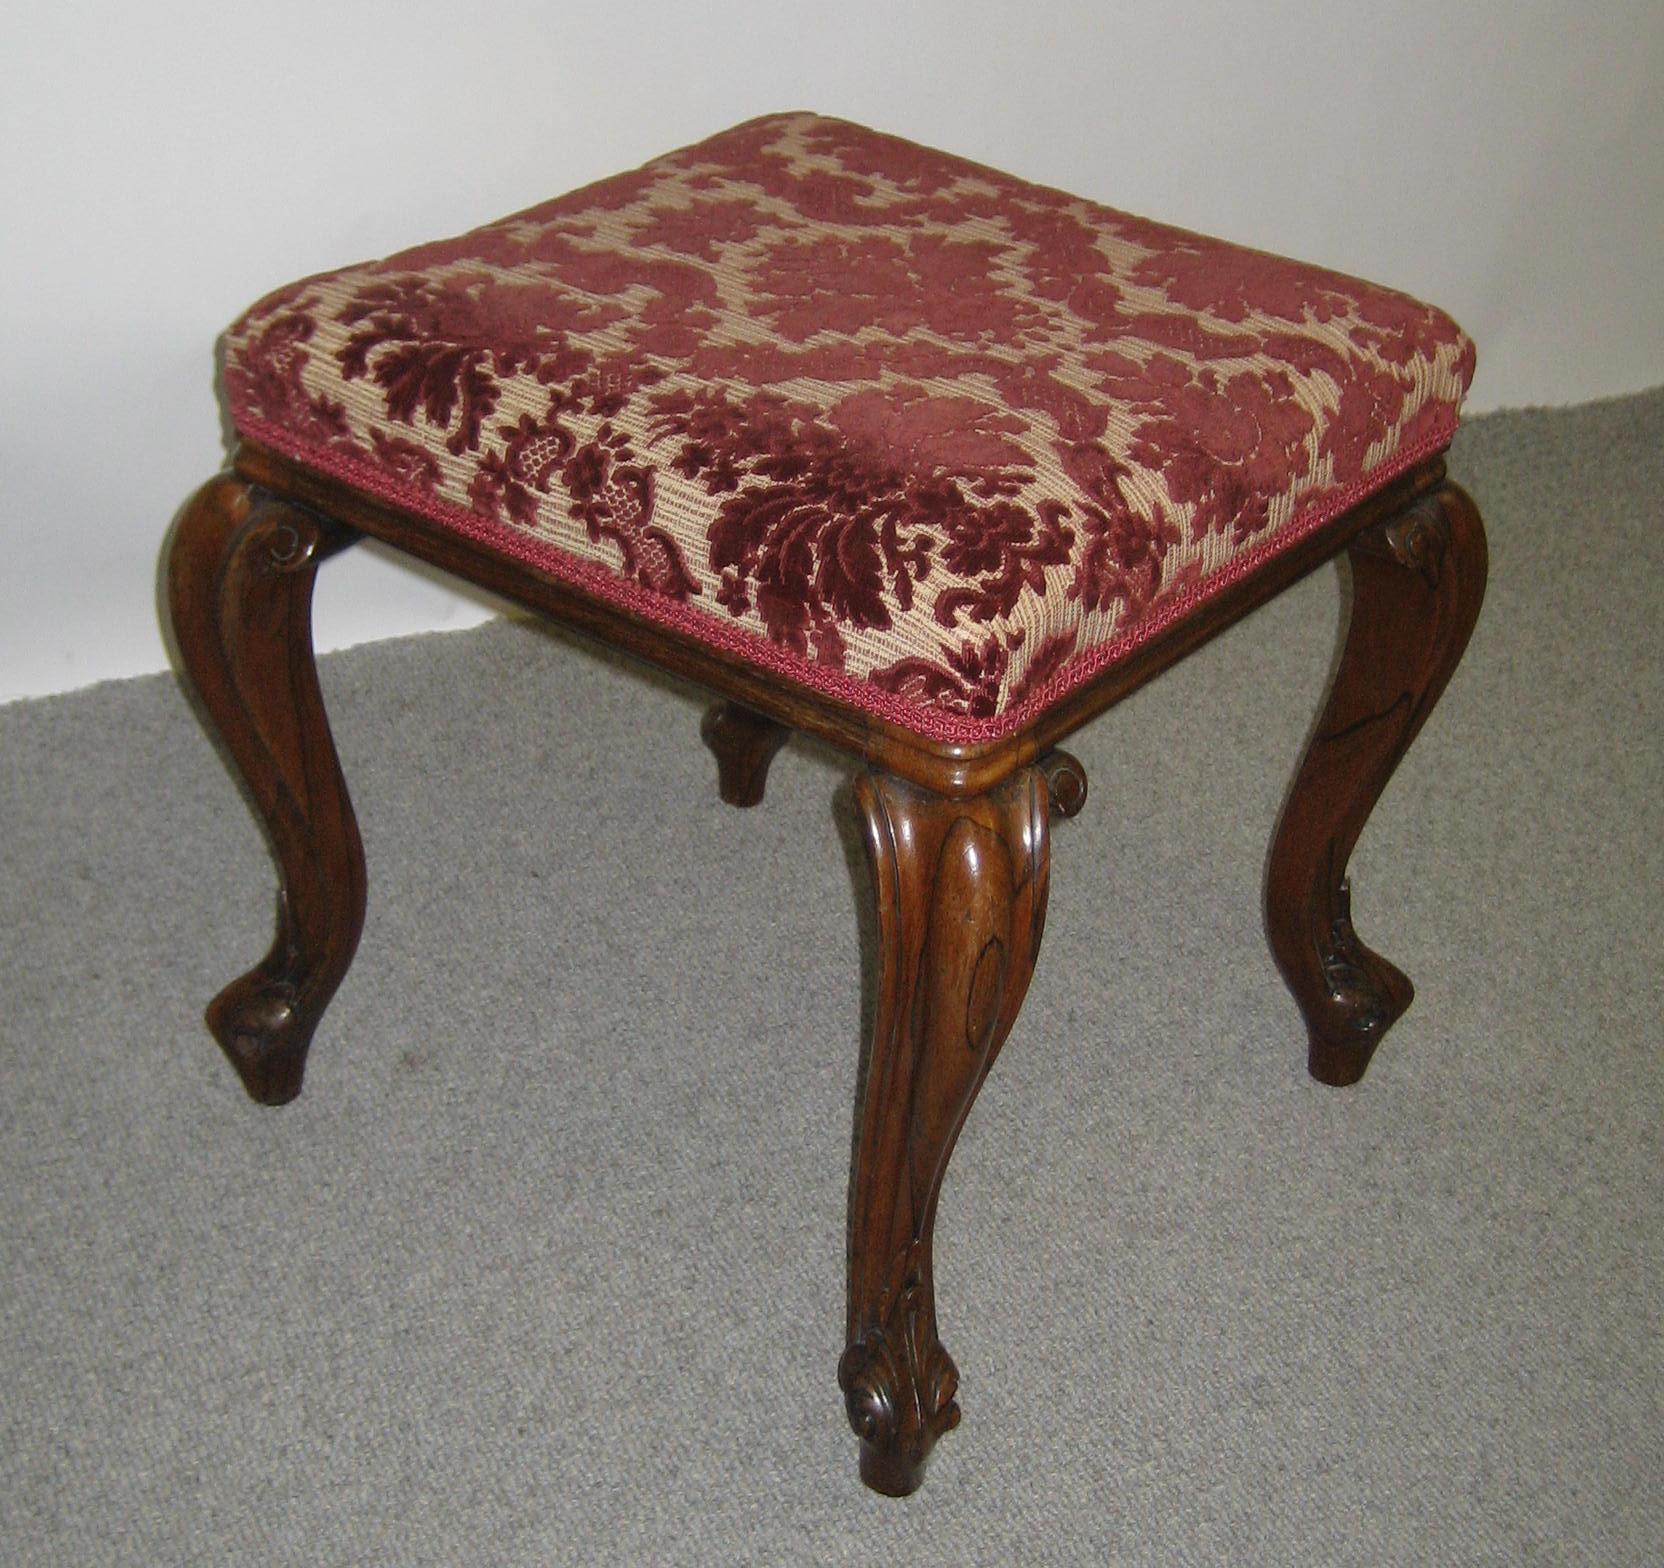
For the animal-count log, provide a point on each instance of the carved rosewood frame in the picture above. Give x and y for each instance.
(957, 837)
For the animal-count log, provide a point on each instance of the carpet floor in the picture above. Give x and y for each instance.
(545, 1266)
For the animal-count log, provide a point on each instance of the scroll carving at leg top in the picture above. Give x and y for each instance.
(961, 898)
(239, 588)
(1065, 782)
(1417, 583)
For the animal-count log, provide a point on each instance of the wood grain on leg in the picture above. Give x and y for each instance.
(239, 583)
(960, 886)
(1417, 582)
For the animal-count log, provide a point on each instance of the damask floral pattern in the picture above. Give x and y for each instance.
(934, 440)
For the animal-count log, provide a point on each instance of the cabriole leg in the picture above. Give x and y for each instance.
(961, 894)
(1417, 582)
(743, 742)
(239, 585)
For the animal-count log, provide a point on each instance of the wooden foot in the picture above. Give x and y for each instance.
(961, 895)
(239, 583)
(1417, 582)
(744, 743)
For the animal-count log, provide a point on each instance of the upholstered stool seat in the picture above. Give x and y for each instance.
(880, 444)
(938, 442)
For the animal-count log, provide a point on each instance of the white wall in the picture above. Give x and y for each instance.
(163, 164)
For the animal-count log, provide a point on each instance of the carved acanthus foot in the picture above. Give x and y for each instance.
(1417, 582)
(264, 1033)
(744, 743)
(239, 583)
(1365, 995)
(898, 1384)
(960, 887)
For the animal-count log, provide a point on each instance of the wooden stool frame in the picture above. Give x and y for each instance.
(957, 836)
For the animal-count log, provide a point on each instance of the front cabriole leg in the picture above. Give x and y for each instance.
(960, 887)
(239, 587)
(1417, 582)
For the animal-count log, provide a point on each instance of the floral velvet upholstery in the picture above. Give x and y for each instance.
(930, 439)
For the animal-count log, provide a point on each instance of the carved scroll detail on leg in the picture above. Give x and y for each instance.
(1417, 583)
(744, 743)
(240, 570)
(961, 894)
(1065, 782)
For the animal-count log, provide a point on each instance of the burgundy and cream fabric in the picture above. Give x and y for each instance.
(928, 438)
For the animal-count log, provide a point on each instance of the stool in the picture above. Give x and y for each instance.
(884, 446)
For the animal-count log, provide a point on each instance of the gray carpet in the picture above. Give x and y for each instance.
(546, 1265)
